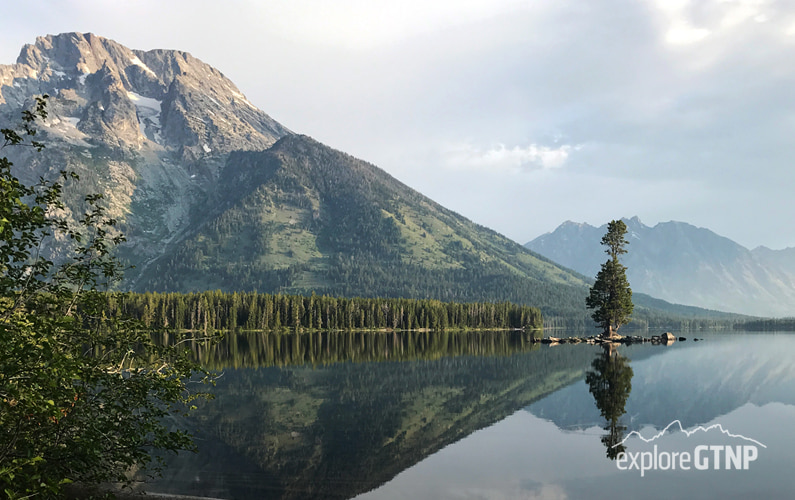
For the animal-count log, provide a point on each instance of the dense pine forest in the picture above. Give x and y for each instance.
(217, 310)
(767, 325)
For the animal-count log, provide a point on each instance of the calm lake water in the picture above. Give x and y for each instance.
(491, 415)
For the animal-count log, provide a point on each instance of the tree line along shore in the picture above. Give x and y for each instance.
(216, 310)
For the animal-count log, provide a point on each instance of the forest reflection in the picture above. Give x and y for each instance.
(265, 348)
(334, 414)
(610, 382)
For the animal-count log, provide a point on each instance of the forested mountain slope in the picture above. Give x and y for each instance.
(303, 217)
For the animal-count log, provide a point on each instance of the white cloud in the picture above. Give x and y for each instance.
(499, 157)
(682, 33)
(691, 21)
(680, 29)
(737, 12)
(363, 24)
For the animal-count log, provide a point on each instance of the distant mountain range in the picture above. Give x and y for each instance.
(681, 263)
(212, 193)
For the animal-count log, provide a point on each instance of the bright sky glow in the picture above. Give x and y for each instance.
(517, 114)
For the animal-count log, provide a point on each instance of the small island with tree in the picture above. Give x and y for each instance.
(611, 296)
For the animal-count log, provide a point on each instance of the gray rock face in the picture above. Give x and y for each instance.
(684, 264)
(130, 97)
(149, 129)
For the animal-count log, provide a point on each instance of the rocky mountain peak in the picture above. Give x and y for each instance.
(151, 130)
(120, 97)
(574, 225)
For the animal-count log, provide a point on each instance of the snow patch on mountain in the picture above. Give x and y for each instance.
(145, 102)
(137, 62)
(148, 110)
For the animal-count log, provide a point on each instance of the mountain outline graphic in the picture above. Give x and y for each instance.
(700, 428)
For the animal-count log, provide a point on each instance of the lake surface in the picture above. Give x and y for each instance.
(491, 415)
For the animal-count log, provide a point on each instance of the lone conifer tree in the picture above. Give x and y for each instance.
(611, 297)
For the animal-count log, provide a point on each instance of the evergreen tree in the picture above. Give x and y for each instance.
(611, 297)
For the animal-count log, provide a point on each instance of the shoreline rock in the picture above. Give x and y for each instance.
(666, 338)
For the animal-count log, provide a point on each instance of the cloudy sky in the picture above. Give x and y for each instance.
(519, 114)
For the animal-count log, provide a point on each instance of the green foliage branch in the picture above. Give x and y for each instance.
(84, 396)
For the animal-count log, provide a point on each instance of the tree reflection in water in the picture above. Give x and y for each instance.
(610, 382)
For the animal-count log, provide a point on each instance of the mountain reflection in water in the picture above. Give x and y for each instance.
(386, 415)
(331, 415)
(555, 447)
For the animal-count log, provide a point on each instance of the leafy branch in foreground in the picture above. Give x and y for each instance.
(84, 396)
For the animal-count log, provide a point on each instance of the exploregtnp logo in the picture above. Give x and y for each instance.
(699, 449)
